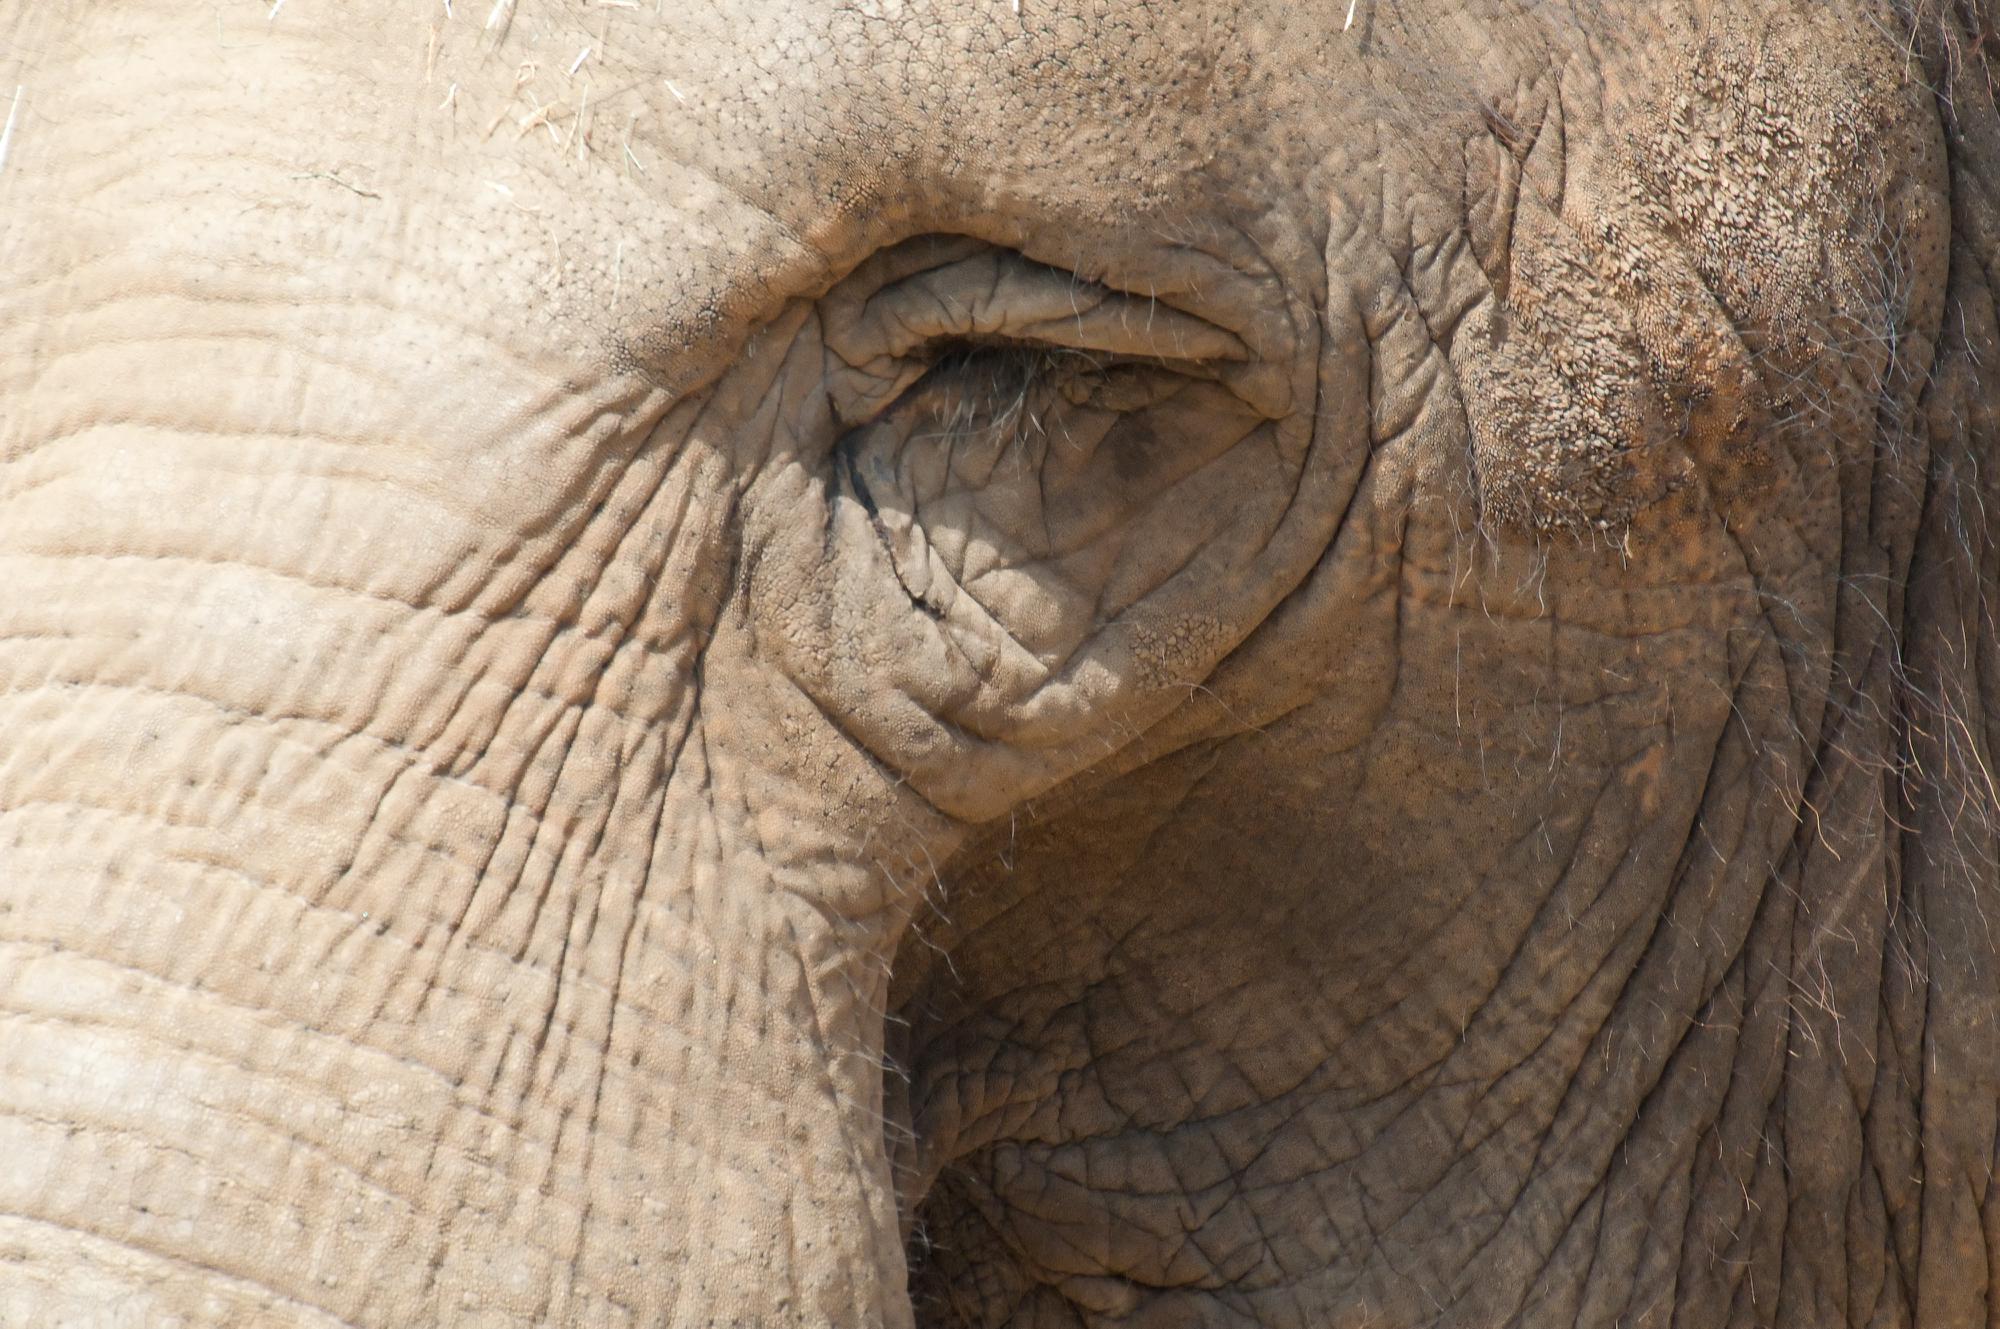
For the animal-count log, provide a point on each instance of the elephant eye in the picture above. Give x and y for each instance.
(1036, 491)
(962, 334)
(971, 383)
(998, 387)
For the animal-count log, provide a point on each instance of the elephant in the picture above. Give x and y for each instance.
(1049, 663)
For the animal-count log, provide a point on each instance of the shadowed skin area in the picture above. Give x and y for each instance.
(966, 665)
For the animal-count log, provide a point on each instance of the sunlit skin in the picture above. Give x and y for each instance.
(996, 664)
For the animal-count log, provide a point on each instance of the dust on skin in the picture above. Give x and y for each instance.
(994, 664)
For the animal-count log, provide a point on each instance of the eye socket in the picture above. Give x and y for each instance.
(1016, 457)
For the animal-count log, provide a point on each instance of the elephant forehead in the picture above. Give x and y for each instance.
(656, 179)
(672, 179)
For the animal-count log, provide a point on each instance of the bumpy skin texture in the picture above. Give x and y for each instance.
(964, 664)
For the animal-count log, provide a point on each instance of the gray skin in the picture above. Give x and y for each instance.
(909, 663)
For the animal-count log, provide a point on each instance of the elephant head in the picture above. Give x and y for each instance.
(1048, 664)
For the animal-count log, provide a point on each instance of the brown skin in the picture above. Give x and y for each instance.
(1127, 664)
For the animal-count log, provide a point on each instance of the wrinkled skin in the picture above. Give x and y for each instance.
(916, 664)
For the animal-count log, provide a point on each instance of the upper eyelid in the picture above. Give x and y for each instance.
(879, 325)
(1004, 295)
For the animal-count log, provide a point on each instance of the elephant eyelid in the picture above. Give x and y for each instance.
(980, 308)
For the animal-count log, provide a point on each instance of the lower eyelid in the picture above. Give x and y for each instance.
(1128, 387)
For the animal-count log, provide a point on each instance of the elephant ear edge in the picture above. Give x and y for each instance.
(1953, 995)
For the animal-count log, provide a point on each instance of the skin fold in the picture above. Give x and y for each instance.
(965, 665)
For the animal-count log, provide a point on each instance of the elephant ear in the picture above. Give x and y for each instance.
(1680, 296)
(1947, 999)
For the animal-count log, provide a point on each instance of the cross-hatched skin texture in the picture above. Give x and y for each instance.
(915, 662)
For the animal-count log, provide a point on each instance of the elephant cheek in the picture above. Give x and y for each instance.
(543, 983)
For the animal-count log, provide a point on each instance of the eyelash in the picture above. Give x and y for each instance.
(993, 384)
